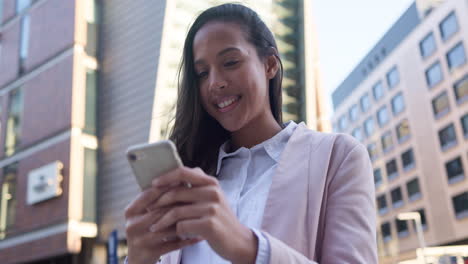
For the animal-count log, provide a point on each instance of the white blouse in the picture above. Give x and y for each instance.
(245, 177)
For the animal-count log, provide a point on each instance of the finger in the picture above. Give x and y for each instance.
(141, 202)
(142, 223)
(188, 195)
(179, 213)
(195, 177)
(196, 227)
(165, 242)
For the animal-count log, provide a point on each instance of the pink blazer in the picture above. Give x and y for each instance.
(321, 205)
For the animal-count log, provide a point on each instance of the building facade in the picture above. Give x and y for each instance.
(407, 102)
(48, 136)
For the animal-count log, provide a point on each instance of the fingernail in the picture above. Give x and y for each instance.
(153, 228)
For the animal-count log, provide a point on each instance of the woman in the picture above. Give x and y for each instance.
(254, 190)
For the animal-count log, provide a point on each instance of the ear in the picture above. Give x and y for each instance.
(272, 65)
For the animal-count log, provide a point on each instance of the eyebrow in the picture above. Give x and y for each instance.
(224, 51)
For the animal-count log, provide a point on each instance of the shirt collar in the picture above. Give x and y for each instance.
(273, 146)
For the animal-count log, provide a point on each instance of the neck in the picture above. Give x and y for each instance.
(255, 132)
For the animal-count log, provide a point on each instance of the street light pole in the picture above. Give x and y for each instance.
(419, 230)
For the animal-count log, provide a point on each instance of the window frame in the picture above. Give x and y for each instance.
(453, 179)
(450, 51)
(430, 35)
(451, 143)
(429, 69)
(413, 196)
(444, 37)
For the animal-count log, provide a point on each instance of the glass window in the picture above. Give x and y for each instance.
(24, 41)
(464, 121)
(21, 5)
(357, 134)
(8, 199)
(448, 26)
(378, 91)
(454, 169)
(387, 141)
(90, 110)
(456, 56)
(378, 177)
(402, 227)
(13, 128)
(461, 89)
(373, 152)
(408, 159)
(353, 113)
(440, 105)
(460, 205)
(369, 126)
(393, 77)
(382, 204)
(398, 104)
(365, 103)
(447, 137)
(422, 213)
(427, 46)
(343, 123)
(434, 74)
(392, 169)
(382, 116)
(397, 197)
(413, 189)
(403, 131)
(386, 231)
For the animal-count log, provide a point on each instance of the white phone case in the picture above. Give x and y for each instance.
(148, 161)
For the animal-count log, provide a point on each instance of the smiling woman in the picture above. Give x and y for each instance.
(259, 191)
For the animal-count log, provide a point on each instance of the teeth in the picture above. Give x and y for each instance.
(226, 103)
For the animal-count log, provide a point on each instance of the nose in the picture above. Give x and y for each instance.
(217, 81)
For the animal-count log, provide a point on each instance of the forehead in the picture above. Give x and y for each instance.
(216, 36)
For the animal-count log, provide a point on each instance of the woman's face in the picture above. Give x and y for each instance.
(232, 79)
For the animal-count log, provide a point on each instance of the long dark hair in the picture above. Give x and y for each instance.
(196, 134)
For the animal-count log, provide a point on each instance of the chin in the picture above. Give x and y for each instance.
(231, 126)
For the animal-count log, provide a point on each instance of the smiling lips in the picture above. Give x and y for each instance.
(227, 103)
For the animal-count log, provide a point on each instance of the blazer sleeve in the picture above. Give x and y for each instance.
(350, 219)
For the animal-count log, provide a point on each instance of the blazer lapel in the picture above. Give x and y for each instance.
(286, 207)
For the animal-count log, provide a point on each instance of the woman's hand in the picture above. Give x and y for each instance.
(201, 210)
(145, 246)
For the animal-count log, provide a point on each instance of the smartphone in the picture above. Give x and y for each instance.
(149, 161)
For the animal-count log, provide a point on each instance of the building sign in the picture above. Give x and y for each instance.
(44, 182)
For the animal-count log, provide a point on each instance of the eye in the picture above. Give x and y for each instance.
(230, 63)
(202, 74)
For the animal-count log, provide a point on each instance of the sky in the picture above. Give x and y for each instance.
(347, 30)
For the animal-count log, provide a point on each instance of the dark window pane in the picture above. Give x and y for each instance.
(414, 191)
(408, 159)
(454, 169)
(403, 130)
(392, 169)
(382, 204)
(382, 116)
(456, 56)
(13, 129)
(440, 105)
(354, 113)
(90, 110)
(386, 231)
(448, 26)
(397, 198)
(377, 90)
(423, 218)
(393, 77)
(365, 102)
(434, 74)
(447, 137)
(464, 121)
(461, 89)
(428, 45)
(402, 227)
(460, 204)
(378, 177)
(398, 104)
(387, 141)
(369, 126)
